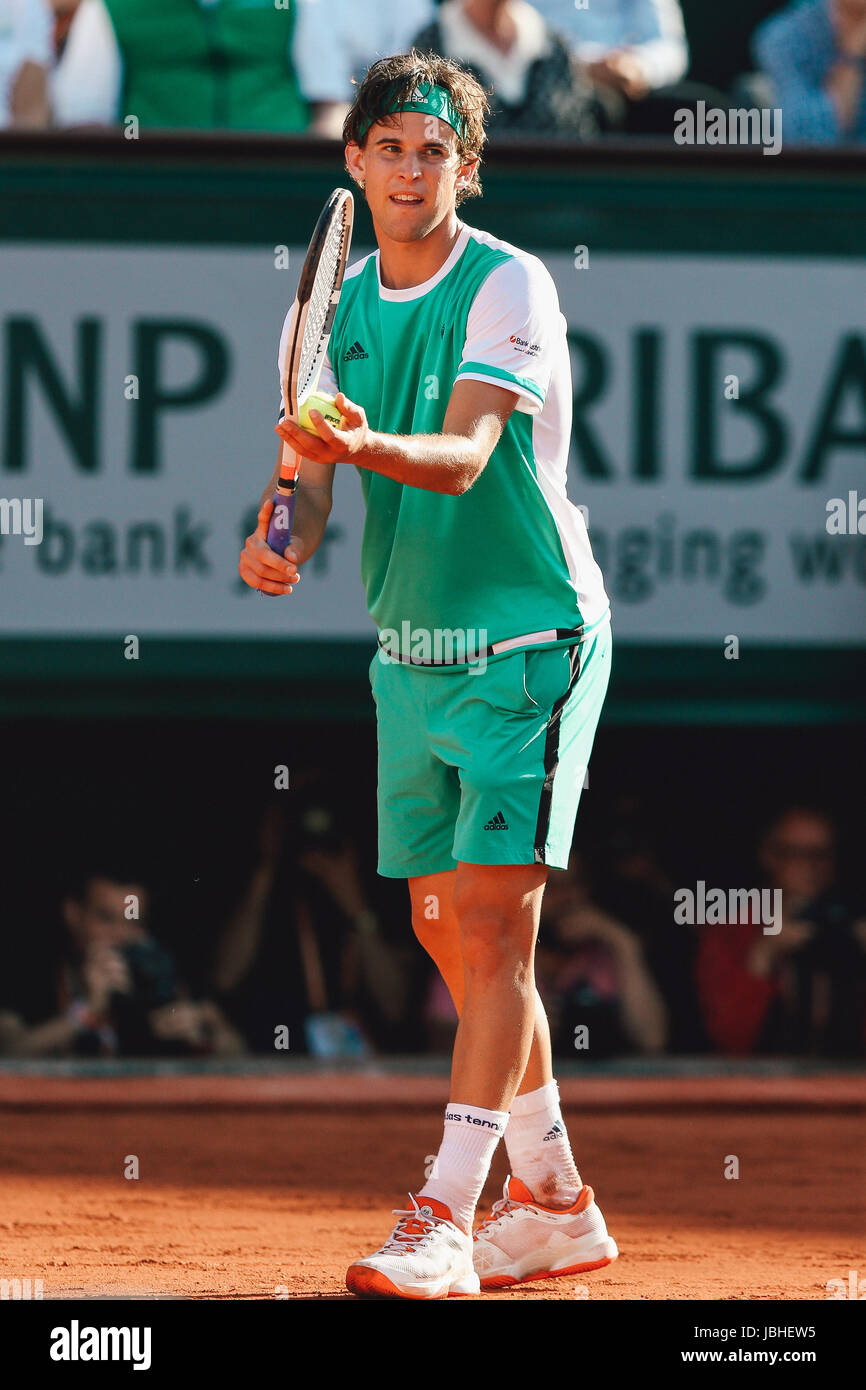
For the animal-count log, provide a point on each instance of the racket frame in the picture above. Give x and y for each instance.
(341, 203)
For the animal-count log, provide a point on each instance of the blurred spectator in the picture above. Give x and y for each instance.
(115, 988)
(591, 971)
(538, 88)
(634, 46)
(636, 53)
(64, 13)
(306, 949)
(214, 65)
(357, 33)
(815, 54)
(634, 887)
(26, 56)
(799, 990)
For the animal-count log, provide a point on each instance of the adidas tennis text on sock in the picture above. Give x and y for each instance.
(463, 1161)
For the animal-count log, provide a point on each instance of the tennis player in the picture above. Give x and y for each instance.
(450, 366)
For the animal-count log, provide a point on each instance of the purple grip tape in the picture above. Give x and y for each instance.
(280, 524)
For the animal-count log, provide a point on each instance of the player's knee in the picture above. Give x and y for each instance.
(491, 942)
(422, 928)
(435, 932)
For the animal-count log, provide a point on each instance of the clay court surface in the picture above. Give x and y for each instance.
(260, 1196)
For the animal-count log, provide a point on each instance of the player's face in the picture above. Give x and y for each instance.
(412, 172)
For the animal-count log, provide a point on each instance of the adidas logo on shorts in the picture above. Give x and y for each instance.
(355, 353)
(497, 823)
(554, 1133)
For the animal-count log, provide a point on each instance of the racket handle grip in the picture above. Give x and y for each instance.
(280, 524)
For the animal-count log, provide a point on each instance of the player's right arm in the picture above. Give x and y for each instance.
(261, 567)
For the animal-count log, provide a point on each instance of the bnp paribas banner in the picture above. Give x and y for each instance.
(719, 444)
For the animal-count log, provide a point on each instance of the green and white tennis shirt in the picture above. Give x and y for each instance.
(511, 557)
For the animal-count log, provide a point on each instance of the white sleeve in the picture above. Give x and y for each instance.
(327, 380)
(665, 58)
(514, 331)
(281, 353)
(336, 40)
(322, 50)
(87, 83)
(33, 26)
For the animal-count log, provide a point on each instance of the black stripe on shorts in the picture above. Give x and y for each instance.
(551, 758)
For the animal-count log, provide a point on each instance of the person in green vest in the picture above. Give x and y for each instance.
(181, 64)
(449, 363)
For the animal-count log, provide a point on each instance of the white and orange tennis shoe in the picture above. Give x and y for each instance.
(425, 1256)
(522, 1240)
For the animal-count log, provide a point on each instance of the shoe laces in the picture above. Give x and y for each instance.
(414, 1227)
(504, 1208)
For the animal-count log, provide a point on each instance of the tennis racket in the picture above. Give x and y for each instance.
(309, 330)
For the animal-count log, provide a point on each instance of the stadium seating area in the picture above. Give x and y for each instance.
(552, 67)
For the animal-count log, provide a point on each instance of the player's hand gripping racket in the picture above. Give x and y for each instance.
(309, 330)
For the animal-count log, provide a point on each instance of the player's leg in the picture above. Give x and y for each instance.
(498, 913)
(528, 735)
(435, 924)
(536, 1138)
(428, 1255)
(498, 909)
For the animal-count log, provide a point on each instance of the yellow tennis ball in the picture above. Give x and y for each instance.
(323, 403)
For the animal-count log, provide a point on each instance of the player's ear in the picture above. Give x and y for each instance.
(355, 162)
(467, 171)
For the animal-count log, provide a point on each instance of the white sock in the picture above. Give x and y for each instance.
(538, 1149)
(464, 1158)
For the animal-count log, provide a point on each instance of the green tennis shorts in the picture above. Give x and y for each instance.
(486, 766)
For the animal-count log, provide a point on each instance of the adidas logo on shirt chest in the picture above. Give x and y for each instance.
(356, 353)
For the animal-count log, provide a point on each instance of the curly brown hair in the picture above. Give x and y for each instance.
(393, 80)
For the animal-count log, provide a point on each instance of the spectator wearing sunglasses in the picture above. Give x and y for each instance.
(799, 989)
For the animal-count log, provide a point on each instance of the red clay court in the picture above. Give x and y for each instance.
(258, 1182)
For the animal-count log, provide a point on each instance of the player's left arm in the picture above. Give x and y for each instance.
(512, 334)
(449, 462)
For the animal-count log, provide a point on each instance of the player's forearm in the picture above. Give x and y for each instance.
(448, 463)
(312, 509)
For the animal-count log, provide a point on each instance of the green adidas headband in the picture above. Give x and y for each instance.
(430, 101)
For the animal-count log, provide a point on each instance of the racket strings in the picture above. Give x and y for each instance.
(318, 324)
